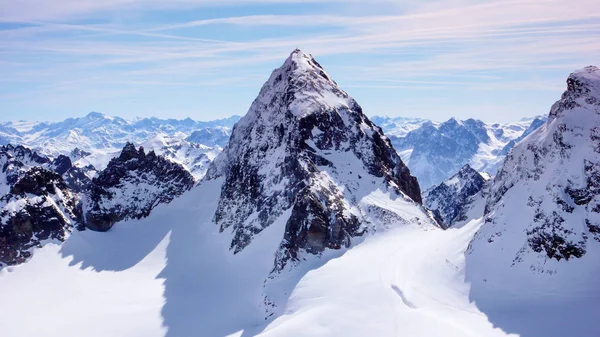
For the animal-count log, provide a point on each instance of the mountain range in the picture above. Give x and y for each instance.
(304, 217)
(432, 150)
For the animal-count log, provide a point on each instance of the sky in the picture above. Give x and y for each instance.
(205, 59)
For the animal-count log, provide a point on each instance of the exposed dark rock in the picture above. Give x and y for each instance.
(131, 186)
(452, 198)
(41, 208)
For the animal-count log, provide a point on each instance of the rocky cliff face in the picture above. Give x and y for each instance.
(305, 147)
(453, 198)
(544, 204)
(39, 207)
(131, 186)
(74, 177)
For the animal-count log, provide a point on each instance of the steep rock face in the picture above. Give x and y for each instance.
(131, 186)
(306, 146)
(74, 177)
(38, 207)
(543, 212)
(453, 197)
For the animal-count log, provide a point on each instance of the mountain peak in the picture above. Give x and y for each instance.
(585, 81)
(583, 90)
(95, 115)
(305, 151)
(467, 169)
(303, 87)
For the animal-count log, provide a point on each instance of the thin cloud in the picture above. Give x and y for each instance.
(439, 44)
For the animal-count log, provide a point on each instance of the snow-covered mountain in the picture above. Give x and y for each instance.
(435, 151)
(99, 133)
(43, 199)
(96, 138)
(454, 197)
(398, 127)
(541, 230)
(216, 136)
(131, 186)
(195, 158)
(306, 156)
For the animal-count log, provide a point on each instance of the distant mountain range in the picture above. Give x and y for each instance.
(435, 151)
(97, 132)
(420, 142)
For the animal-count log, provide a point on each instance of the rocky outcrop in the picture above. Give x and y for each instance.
(452, 198)
(39, 207)
(74, 177)
(131, 186)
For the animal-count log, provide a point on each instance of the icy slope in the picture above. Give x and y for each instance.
(393, 284)
(179, 279)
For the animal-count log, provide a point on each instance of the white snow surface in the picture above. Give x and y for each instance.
(180, 279)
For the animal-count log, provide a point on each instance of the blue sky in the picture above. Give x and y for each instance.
(206, 59)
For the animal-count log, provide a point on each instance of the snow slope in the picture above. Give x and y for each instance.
(180, 279)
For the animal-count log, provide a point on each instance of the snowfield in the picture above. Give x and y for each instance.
(173, 275)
